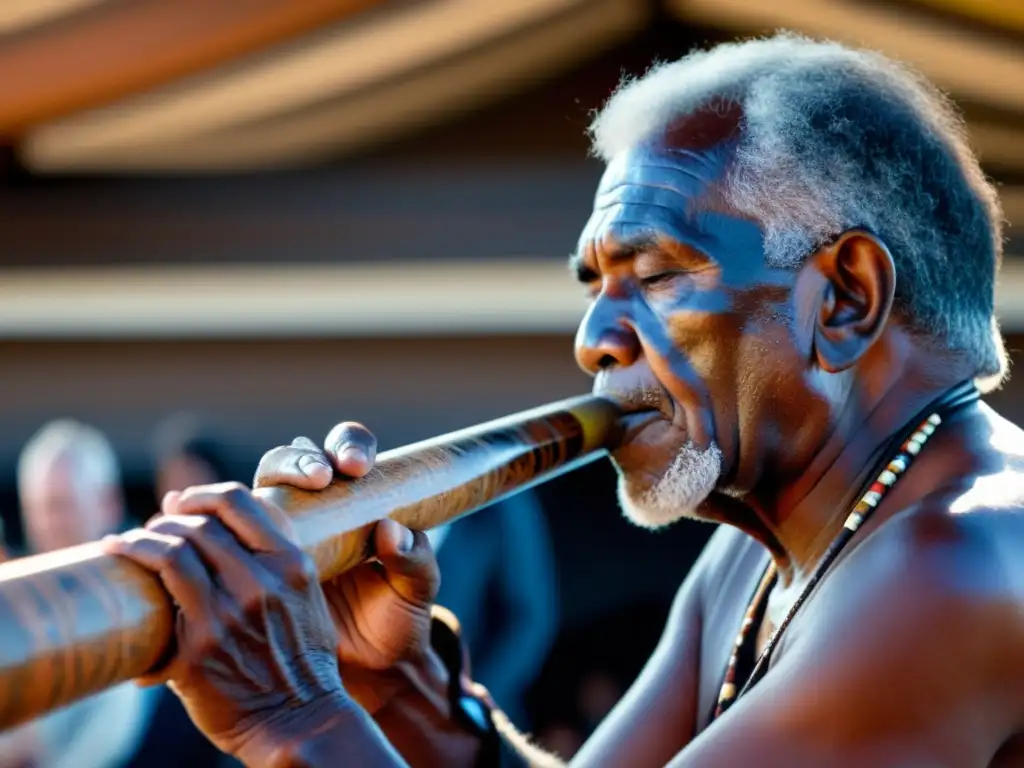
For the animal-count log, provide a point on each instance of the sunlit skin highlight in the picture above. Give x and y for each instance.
(683, 304)
(789, 384)
(763, 398)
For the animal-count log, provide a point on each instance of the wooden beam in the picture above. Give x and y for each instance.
(1006, 14)
(260, 119)
(21, 15)
(373, 213)
(397, 49)
(985, 70)
(126, 47)
(482, 297)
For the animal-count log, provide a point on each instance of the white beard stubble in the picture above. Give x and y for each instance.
(686, 484)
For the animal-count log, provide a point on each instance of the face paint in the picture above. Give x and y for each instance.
(675, 287)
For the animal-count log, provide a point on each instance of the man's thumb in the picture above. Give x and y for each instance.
(408, 560)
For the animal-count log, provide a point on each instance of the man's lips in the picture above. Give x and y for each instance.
(635, 422)
(641, 406)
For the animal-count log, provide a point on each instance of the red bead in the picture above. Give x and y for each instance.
(877, 488)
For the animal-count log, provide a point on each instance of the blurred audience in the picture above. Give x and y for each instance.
(69, 487)
(590, 700)
(589, 669)
(185, 453)
(5, 555)
(69, 484)
(498, 576)
(598, 694)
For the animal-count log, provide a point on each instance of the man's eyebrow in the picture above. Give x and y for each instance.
(620, 251)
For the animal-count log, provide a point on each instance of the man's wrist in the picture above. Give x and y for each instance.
(316, 735)
(421, 720)
(437, 712)
(427, 679)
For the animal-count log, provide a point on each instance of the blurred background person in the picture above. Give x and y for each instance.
(185, 453)
(214, 221)
(498, 577)
(5, 555)
(69, 485)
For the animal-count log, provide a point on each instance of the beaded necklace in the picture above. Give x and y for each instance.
(729, 691)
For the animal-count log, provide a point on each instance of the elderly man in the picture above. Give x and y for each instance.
(791, 263)
(69, 483)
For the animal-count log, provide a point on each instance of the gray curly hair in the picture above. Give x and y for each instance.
(832, 139)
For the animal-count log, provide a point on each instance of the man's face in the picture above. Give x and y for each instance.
(62, 507)
(689, 325)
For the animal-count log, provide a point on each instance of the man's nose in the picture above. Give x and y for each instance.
(605, 340)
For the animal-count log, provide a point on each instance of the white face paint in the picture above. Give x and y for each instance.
(688, 481)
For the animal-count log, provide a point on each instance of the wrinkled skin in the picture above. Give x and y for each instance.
(798, 378)
(381, 609)
(359, 641)
(684, 306)
(238, 583)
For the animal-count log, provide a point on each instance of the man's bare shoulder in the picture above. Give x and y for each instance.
(943, 584)
(966, 539)
(959, 547)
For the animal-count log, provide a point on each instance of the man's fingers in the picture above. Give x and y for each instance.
(219, 550)
(300, 465)
(408, 560)
(259, 527)
(169, 503)
(306, 443)
(176, 563)
(352, 448)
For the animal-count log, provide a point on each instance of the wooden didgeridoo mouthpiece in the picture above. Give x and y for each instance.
(77, 621)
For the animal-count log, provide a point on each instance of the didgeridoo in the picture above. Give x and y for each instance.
(77, 621)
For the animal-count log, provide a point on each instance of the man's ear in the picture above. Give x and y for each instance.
(847, 290)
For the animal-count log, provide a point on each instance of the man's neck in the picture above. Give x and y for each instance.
(798, 520)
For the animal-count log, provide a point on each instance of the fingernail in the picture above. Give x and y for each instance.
(406, 541)
(311, 466)
(353, 453)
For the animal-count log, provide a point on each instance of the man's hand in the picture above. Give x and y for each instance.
(255, 642)
(381, 609)
(22, 747)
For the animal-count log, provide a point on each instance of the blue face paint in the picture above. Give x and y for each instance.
(674, 284)
(647, 202)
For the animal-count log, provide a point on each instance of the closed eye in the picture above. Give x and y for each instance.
(659, 278)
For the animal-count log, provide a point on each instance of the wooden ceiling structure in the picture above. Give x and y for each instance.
(152, 254)
(110, 86)
(189, 86)
(143, 131)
